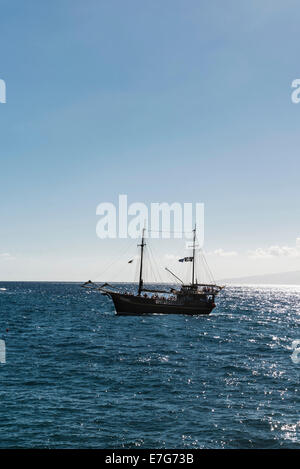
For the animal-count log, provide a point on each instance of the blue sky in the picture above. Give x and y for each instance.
(186, 101)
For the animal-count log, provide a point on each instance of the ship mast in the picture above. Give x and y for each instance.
(193, 269)
(141, 265)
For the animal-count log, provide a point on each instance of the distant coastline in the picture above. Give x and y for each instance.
(282, 278)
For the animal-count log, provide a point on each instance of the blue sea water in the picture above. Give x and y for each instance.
(78, 376)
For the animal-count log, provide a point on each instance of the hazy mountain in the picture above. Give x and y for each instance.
(283, 278)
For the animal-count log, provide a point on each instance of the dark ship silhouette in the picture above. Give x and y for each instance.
(194, 298)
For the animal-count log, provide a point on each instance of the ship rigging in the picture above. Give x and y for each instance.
(189, 298)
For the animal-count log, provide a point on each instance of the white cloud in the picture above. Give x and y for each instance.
(276, 251)
(6, 256)
(222, 253)
(171, 257)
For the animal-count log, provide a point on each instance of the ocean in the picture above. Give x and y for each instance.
(78, 376)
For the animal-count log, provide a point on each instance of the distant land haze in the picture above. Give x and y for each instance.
(282, 278)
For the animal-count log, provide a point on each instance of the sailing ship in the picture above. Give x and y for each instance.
(191, 298)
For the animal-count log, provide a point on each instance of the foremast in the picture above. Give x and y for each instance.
(142, 245)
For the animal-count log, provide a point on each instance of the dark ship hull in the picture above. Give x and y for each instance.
(127, 305)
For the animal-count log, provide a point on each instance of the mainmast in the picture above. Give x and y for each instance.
(194, 241)
(141, 265)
